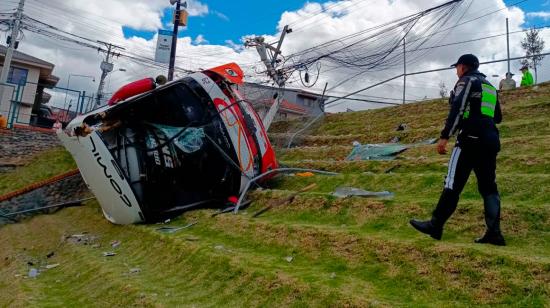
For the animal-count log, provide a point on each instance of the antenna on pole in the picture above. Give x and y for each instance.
(270, 63)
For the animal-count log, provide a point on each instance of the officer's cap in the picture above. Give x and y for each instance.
(467, 59)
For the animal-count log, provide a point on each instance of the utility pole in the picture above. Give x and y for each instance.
(174, 40)
(508, 44)
(262, 47)
(11, 48)
(404, 69)
(106, 67)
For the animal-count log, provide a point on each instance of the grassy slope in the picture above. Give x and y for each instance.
(352, 252)
(46, 165)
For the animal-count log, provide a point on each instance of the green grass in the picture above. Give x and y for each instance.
(45, 165)
(345, 252)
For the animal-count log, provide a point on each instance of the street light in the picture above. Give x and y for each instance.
(69, 83)
(109, 81)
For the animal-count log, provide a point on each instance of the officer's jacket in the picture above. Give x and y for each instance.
(474, 110)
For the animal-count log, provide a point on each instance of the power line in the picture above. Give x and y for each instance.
(424, 72)
(414, 59)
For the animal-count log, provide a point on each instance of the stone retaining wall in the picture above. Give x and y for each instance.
(20, 144)
(65, 190)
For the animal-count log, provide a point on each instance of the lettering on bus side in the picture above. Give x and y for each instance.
(112, 181)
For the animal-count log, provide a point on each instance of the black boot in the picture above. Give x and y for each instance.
(444, 209)
(492, 220)
(491, 238)
(429, 227)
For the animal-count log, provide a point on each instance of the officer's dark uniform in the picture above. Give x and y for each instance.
(474, 110)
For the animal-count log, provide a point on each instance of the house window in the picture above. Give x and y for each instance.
(18, 76)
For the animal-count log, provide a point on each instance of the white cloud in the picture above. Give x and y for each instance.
(543, 14)
(196, 8)
(200, 40)
(221, 15)
(311, 27)
(234, 46)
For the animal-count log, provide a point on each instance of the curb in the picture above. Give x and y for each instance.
(38, 184)
(34, 129)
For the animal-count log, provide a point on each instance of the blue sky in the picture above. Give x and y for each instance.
(230, 20)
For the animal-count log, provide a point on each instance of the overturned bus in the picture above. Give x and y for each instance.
(157, 150)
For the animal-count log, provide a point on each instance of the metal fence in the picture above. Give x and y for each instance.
(41, 105)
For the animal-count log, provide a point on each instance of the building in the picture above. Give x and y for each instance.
(296, 103)
(24, 91)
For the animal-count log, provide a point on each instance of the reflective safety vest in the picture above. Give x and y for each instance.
(488, 101)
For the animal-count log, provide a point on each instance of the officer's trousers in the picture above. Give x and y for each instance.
(463, 160)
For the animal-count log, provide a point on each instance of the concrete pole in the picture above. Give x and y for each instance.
(174, 42)
(104, 73)
(404, 70)
(508, 44)
(67, 90)
(82, 103)
(11, 48)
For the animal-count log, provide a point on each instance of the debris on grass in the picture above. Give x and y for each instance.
(50, 266)
(401, 127)
(284, 201)
(81, 239)
(289, 259)
(305, 174)
(135, 270)
(381, 151)
(345, 192)
(231, 208)
(395, 139)
(109, 254)
(115, 243)
(170, 230)
(51, 254)
(33, 272)
(392, 168)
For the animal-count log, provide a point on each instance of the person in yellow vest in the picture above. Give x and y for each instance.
(527, 78)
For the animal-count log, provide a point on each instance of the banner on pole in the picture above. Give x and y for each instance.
(164, 46)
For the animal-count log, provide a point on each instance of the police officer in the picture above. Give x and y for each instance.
(474, 110)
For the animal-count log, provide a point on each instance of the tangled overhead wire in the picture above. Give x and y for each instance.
(374, 48)
(306, 80)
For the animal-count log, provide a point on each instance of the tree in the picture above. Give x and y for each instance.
(443, 89)
(533, 45)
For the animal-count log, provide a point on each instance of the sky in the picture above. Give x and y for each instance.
(217, 29)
